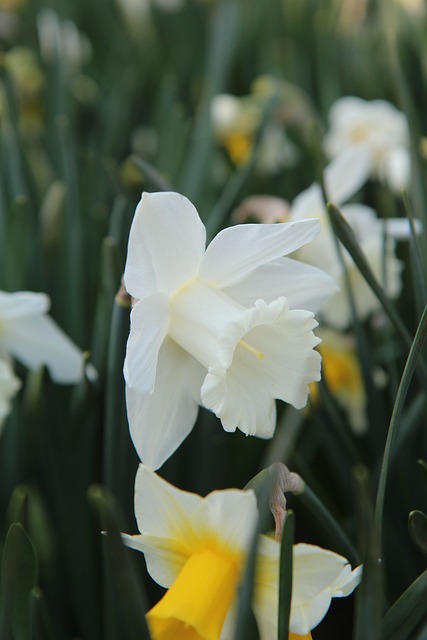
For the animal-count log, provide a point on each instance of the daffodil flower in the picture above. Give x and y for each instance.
(197, 547)
(378, 126)
(9, 385)
(226, 327)
(28, 334)
(343, 177)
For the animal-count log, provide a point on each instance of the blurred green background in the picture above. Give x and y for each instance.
(91, 115)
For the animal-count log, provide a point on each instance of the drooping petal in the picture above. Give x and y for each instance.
(161, 420)
(347, 173)
(270, 356)
(304, 286)
(36, 341)
(149, 325)
(21, 304)
(166, 244)
(316, 573)
(237, 251)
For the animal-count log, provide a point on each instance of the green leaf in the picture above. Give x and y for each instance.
(285, 580)
(369, 595)
(19, 576)
(407, 612)
(408, 372)
(417, 525)
(346, 235)
(127, 595)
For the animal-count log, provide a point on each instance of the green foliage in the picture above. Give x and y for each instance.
(76, 150)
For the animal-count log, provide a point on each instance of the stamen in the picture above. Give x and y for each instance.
(247, 346)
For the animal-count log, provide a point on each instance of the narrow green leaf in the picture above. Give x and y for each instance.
(369, 595)
(246, 627)
(19, 575)
(151, 175)
(338, 537)
(128, 594)
(407, 612)
(345, 234)
(402, 391)
(417, 525)
(285, 580)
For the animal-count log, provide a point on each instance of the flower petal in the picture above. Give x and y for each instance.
(270, 356)
(304, 286)
(149, 325)
(347, 173)
(21, 304)
(37, 340)
(166, 243)
(233, 513)
(161, 420)
(164, 517)
(237, 251)
(319, 575)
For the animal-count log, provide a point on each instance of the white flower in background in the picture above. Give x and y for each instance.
(9, 385)
(28, 334)
(378, 125)
(196, 547)
(61, 39)
(343, 177)
(226, 327)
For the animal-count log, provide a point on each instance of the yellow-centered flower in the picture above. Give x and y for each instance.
(196, 547)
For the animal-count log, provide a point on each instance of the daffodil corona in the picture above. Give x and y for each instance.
(229, 327)
(197, 547)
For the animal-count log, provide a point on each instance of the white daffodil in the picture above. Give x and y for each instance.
(197, 547)
(226, 327)
(380, 127)
(9, 385)
(28, 334)
(343, 177)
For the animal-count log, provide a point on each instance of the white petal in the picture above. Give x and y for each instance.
(164, 516)
(266, 587)
(166, 243)
(149, 325)
(318, 576)
(161, 420)
(237, 251)
(304, 286)
(270, 356)
(21, 304)
(400, 228)
(347, 173)
(37, 341)
(308, 204)
(164, 557)
(233, 514)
